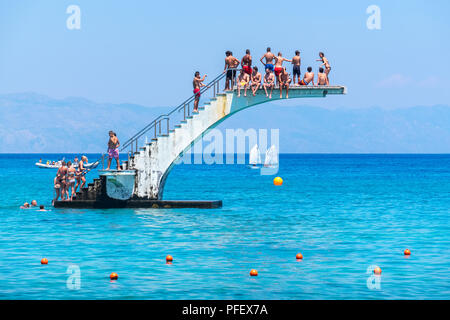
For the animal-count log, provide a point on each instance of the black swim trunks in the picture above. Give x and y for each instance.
(296, 71)
(231, 74)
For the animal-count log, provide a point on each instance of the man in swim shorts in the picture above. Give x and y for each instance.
(231, 63)
(322, 79)
(113, 149)
(243, 82)
(197, 83)
(279, 65)
(256, 80)
(246, 63)
(269, 56)
(296, 61)
(269, 79)
(307, 78)
(284, 81)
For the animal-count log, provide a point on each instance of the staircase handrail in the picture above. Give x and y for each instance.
(181, 106)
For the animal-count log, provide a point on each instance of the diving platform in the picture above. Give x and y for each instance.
(141, 182)
(154, 204)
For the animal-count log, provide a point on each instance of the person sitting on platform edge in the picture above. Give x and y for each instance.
(322, 79)
(113, 149)
(307, 78)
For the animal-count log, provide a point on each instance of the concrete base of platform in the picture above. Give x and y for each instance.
(157, 204)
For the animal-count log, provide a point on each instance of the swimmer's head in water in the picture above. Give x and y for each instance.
(34, 203)
(309, 69)
(41, 207)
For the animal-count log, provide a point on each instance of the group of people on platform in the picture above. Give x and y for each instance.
(275, 74)
(69, 177)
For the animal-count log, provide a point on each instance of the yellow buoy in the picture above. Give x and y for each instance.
(278, 181)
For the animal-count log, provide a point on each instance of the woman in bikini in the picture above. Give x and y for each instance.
(70, 180)
(60, 180)
(79, 176)
(325, 63)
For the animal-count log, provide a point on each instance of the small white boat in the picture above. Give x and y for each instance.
(271, 159)
(255, 157)
(57, 165)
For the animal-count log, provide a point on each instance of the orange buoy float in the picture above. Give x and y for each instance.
(278, 181)
(169, 258)
(113, 276)
(407, 252)
(377, 270)
(299, 256)
(44, 261)
(253, 273)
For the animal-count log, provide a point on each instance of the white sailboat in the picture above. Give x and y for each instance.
(271, 159)
(255, 157)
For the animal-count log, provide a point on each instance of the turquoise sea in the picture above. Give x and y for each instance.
(344, 213)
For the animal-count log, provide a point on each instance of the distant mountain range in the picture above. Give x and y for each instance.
(36, 123)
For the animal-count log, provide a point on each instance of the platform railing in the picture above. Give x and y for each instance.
(162, 124)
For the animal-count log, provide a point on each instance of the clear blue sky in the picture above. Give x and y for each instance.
(145, 52)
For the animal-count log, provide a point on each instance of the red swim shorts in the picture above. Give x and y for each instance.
(278, 71)
(197, 92)
(247, 69)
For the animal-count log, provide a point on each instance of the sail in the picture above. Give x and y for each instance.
(271, 157)
(255, 156)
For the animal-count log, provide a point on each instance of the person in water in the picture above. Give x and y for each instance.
(34, 203)
(284, 80)
(279, 65)
(231, 63)
(197, 83)
(246, 63)
(71, 171)
(26, 205)
(325, 63)
(256, 80)
(322, 79)
(243, 82)
(296, 61)
(269, 80)
(41, 208)
(269, 56)
(307, 78)
(113, 149)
